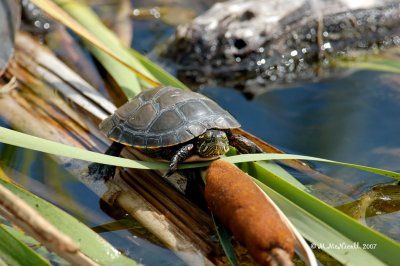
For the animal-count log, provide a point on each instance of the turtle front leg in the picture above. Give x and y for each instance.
(180, 155)
(104, 171)
(242, 144)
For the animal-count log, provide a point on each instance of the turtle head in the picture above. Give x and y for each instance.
(212, 143)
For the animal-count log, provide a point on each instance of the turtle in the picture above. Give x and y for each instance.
(170, 124)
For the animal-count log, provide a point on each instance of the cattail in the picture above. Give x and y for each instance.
(243, 208)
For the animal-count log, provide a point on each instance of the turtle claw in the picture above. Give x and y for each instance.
(169, 172)
(101, 171)
(181, 155)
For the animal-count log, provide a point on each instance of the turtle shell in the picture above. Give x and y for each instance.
(165, 116)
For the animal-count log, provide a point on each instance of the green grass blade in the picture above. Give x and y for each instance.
(339, 221)
(12, 137)
(282, 173)
(34, 245)
(273, 156)
(316, 231)
(346, 229)
(384, 65)
(225, 240)
(15, 252)
(90, 243)
(387, 61)
(16, 138)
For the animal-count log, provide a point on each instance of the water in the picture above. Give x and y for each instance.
(42, 176)
(351, 119)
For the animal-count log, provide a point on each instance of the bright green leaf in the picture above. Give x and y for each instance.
(16, 138)
(35, 245)
(15, 252)
(225, 240)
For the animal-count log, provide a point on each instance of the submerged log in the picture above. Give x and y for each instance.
(253, 44)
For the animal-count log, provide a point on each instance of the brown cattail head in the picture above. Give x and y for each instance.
(242, 207)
